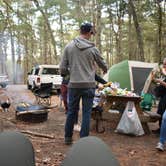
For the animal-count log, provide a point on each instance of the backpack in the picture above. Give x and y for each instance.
(147, 101)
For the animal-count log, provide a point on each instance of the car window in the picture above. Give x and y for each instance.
(53, 71)
(36, 71)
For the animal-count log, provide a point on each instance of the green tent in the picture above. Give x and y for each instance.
(133, 75)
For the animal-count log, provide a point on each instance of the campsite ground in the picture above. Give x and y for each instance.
(130, 151)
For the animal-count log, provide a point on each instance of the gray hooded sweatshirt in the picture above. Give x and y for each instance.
(79, 59)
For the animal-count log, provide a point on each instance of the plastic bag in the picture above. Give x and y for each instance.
(130, 122)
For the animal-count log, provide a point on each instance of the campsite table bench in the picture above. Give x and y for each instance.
(108, 101)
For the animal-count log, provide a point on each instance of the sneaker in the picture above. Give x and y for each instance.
(160, 147)
(77, 127)
(68, 140)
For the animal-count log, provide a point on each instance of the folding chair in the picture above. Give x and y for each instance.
(43, 94)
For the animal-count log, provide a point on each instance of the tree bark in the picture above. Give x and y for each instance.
(13, 58)
(26, 65)
(48, 26)
(129, 34)
(45, 44)
(118, 34)
(61, 33)
(111, 62)
(159, 31)
(138, 31)
(98, 25)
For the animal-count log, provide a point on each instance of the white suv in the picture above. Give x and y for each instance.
(44, 74)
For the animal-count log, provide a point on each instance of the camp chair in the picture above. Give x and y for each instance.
(147, 101)
(16, 149)
(43, 94)
(90, 151)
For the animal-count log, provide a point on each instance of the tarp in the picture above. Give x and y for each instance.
(133, 75)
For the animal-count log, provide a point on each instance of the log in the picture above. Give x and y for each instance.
(37, 134)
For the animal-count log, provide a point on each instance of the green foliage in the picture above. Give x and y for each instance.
(30, 27)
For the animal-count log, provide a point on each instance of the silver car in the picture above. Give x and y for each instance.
(4, 80)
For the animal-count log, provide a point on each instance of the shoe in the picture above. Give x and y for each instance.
(68, 140)
(160, 147)
(77, 127)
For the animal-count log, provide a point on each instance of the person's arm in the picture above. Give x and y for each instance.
(64, 64)
(99, 79)
(161, 82)
(99, 60)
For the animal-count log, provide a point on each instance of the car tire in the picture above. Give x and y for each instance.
(33, 87)
(29, 86)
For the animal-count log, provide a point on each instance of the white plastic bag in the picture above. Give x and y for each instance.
(130, 122)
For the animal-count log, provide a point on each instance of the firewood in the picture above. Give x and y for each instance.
(37, 134)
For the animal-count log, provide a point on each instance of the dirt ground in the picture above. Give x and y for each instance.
(129, 150)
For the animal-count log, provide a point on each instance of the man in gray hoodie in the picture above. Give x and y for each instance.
(79, 60)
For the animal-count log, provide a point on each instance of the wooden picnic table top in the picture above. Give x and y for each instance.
(107, 101)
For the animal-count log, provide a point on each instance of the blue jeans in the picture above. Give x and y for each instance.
(163, 129)
(77, 110)
(75, 94)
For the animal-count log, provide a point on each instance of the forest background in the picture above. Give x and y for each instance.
(36, 31)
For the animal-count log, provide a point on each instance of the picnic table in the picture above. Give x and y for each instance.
(108, 101)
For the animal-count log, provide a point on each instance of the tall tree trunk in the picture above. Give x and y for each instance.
(48, 26)
(3, 54)
(13, 57)
(45, 45)
(41, 46)
(164, 28)
(159, 31)
(19, 70)
(50, 55)
(129, 34)
(98, 25)
(79, 16)
(61, 33)
(138, 32)
(12, 45)
(93, 13)
(111, 37)
(26, 64)
(119, 39)
(118, 34)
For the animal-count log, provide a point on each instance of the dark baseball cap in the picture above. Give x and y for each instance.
(87, 27)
